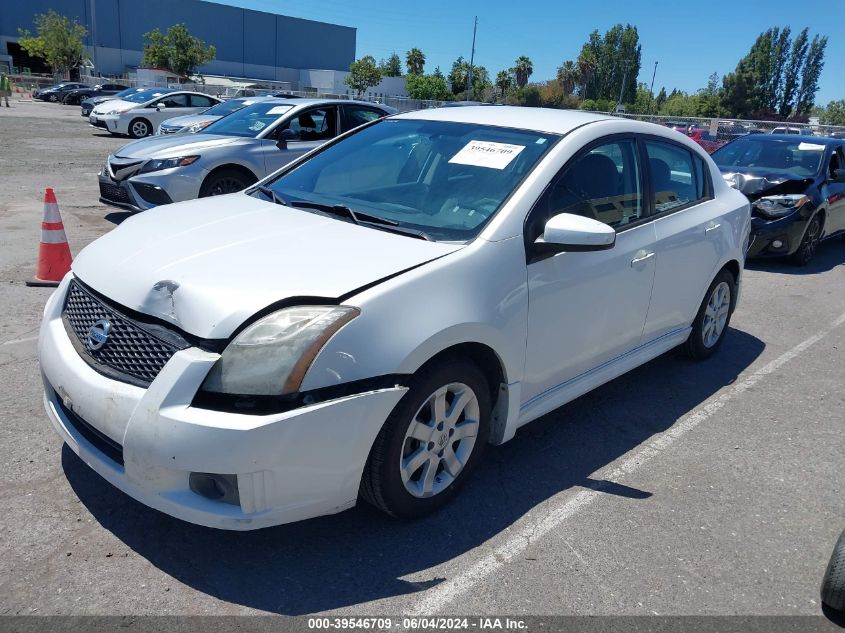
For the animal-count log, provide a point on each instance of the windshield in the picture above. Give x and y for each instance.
(146, 95)
(248, 121)
(774, 155)
(227, 107)
(126, 93)
(445, 179)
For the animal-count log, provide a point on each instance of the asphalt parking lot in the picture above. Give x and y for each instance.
(682, 488)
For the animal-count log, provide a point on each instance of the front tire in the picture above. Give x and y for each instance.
(431, 442)
(139, 128)
(714, 316)
(224, 181)
(809, 243)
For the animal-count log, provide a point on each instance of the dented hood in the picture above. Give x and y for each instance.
(208, 265)
(756, 182)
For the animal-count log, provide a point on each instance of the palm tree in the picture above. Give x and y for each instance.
(503, 81)
(522, 70)
(567, 75)
(415, 60)
(587, 64)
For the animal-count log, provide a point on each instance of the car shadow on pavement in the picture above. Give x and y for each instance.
(829, 254)
(116, 217)
(360, 555)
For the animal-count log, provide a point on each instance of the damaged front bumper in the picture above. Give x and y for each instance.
(776, 238)
(148, 442)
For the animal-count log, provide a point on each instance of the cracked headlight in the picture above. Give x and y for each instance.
(168, 163)
(778, 206)
(271, 356)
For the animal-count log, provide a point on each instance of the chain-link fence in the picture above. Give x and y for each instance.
(712, 133)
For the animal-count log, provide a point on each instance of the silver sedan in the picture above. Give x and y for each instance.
(229, 154)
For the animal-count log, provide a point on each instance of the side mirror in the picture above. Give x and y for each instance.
(838, 175)
(284, 136)
(160, 106)
(574, 233)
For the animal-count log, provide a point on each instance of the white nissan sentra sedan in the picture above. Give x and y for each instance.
(360, 324)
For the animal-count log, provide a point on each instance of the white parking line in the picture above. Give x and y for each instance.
(16, 341)
(555, 514)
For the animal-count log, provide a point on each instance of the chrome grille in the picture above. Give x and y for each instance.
(129, 349)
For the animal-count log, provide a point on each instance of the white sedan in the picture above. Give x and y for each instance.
(360, 324)
(140, 114)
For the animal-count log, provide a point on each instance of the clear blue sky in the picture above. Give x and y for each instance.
(689, 40)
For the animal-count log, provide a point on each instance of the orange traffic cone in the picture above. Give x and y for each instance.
(53, 253)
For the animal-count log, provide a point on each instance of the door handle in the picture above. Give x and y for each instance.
(641, 257)
(712, 227)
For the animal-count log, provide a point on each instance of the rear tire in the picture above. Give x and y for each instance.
(714, 316)
(139, 128)
(224, 181)
(833, 583)
(416, 465)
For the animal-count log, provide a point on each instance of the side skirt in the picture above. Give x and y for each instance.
(567, 391)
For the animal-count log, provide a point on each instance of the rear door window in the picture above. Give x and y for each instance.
(201, 101)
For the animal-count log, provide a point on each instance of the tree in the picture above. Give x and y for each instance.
(363, 74)
(660, 99)
(427, 87)
(503, 82)
(791, 74)
(522, 70)
(833, 113)
(59, 41)
(458, 75)
(415, 61)
(567, 75)
(611, 64)
(437, 73)
(392, 67)
(813, 64)
(177, 50)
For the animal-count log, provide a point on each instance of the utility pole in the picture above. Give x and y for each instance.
(651, 90)
(471, 58)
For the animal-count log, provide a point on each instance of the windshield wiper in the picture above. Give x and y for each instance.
(342, 210)
(271, 193)
(403, 230)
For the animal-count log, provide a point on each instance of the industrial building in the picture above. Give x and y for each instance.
(249, 43)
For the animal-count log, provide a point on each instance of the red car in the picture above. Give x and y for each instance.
(703, 137)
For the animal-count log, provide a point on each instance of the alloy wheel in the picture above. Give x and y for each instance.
(225, 185)
(811, 240)
(716, 314)
(140, 129)
(440, 440)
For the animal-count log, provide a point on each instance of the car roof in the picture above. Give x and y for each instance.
(539, 119)
(300, 102)
(809, 138)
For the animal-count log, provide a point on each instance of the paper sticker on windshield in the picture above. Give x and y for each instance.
(278, 109)
(811, 146)
(487, 154)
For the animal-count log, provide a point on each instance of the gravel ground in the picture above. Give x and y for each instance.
(681, 488)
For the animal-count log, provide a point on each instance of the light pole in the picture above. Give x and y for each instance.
(651, 90)
(622, 89)
(471, 58)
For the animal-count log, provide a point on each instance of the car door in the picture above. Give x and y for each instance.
(834, 192)
(588, 308)
(168, 106)
(691, 237)
(309, 128)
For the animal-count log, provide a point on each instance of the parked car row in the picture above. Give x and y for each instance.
(256, 138)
